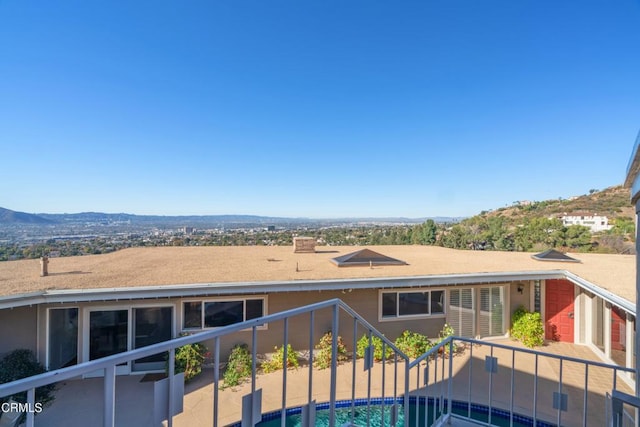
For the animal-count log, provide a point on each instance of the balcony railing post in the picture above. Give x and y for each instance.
(334, 366)
(172, 383)
(311, 328)
(469, 388)
(586, 391)
(513, 370)
(353, 369)
(384, 363)
(450, 380)
(285, 363)
(405, 400)
(560, 395)
(31, 401)
(110, 396)
(417, 409)
(491, 387)
(369, 378)
(535, 393)
(254, 358)
(216, 380)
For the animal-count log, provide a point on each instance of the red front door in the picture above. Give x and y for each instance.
(559, 310)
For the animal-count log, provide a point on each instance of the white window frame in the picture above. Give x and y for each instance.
(203, 301)
(124, 369)
(399, 317)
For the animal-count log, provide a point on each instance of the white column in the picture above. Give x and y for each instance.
(628, 345)
(607, 329)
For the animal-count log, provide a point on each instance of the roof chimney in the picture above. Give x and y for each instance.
(44, 262)
(303, 245)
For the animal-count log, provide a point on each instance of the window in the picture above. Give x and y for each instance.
(412, 304)
(491, 311)
(218, 313)
(462, 312)
(537, 295)
(63, 337)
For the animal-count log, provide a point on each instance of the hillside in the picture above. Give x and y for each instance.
(12, 217)
(614, 202)
(536, 226)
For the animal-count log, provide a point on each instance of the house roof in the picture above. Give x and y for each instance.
(159, 267)
(553, 255)
(365, 257)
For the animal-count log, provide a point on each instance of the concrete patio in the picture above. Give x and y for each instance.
(79, 403)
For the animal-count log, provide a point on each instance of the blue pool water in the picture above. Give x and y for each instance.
(374, 416)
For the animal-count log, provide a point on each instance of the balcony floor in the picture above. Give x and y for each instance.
(81, 400)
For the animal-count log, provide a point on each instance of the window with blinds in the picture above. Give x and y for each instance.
(491, 321)
(461, 315)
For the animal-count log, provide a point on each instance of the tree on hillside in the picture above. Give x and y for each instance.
(457, 237)
(425, 233)
(577, 237)
(623, 226)
(539, 231)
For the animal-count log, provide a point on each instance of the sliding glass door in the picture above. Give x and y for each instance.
(62, 338)
(477, 312)
(109, 334)
(151, 325)
(113, 331)
(462, 312)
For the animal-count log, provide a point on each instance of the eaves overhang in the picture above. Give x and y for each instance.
(233, 288)
(606, 295)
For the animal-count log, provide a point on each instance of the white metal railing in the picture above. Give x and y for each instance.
(449, 377)
(109, 363)
(550, 400)
(622, 409)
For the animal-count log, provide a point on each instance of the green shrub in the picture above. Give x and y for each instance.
(527, 327)
(413, 344)
(322, 358)
(238, 366)
(446, 332)
(189, 359)
(20, 364)
(363, 343)
(277, 359)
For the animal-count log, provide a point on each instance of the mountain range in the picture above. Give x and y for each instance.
(10, 217)
(613, 202)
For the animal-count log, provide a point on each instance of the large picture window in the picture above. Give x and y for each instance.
(400, 304)
(221, 312)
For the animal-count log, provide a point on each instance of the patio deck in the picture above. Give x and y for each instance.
(81, 400)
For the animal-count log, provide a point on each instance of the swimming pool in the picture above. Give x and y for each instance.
(374, 416)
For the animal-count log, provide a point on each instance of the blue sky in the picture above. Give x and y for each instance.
(314, 108)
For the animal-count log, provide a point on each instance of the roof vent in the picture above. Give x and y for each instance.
(553, 255)
(365, 257)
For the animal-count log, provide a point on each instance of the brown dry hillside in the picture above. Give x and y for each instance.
(614, 202)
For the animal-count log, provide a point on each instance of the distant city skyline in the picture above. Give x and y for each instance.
(313, 109)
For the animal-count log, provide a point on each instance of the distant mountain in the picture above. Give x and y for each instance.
(12, 217)
(162, 220)
(202, 221)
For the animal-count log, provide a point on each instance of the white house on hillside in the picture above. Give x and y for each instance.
(594, 221)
